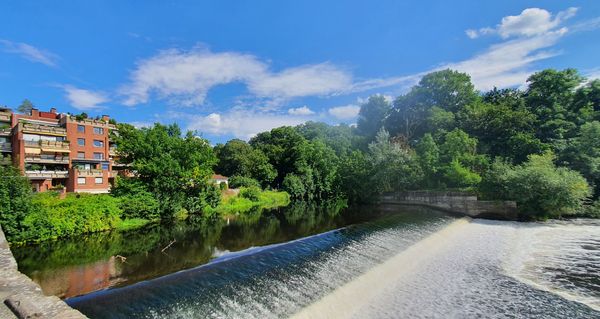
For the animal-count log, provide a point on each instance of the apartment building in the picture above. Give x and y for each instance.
(59, 151)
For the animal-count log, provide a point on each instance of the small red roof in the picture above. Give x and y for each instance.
(217, 176)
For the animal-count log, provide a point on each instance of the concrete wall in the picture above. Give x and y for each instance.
(23, 298)
(455, 202)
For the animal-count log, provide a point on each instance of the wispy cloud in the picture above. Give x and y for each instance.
(29, 52)
(242, 124)
(185, 77)
(84, 99)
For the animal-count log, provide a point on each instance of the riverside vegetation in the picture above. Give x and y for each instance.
(539, 146)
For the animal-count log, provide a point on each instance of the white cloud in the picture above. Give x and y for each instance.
(345, 112)
(242, 124)
(530, 22)
(29, 52)
(592, 74)
(304, 110)
(185, 77)
(508, 63)
(84, 99)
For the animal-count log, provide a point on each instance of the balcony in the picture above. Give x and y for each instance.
(89, 173)
(49, 146)
(5, 131)
(46, 174)
(5, 147)
(5, 117)
(44, 158)
(112, 151)
(44, 130)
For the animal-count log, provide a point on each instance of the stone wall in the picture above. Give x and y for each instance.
(455, 202)
(23, 298)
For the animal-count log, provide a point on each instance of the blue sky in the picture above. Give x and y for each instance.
(234, 68)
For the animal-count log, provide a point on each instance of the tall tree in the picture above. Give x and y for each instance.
(25, 107)
(372, 115)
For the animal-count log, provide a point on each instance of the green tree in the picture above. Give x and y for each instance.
(171, 165)
(583, 154)
(429, 159)
(396, 164)
(372, 114)
(356, 177)
(25, 107)
(238, 158)
(459, 158)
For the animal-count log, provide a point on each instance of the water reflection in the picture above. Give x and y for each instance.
(78, 266)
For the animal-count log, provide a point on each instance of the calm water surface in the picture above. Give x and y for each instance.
(274, 264)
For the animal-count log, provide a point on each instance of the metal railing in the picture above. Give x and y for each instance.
(48, 144)
(5, 131)
(5, 146)
(4, 117)
(47, 174)
(46, 159)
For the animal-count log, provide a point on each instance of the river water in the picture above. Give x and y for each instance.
(323, 262)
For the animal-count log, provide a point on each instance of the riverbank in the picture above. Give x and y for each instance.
(53, 216)
(23, 298)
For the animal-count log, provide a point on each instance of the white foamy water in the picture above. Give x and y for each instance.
(480, 269)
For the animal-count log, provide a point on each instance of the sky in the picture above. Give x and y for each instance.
(231, 69)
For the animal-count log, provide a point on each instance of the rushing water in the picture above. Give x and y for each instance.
(384, 262)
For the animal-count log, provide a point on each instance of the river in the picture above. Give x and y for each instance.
(326, 262)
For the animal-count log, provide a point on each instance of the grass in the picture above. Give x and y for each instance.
(131, 224)
(266, 199)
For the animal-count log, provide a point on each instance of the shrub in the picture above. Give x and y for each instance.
(135, 200)
(76, 214)
(15, 201)
(242, 181)
(251, 193)
(223, 186)
(541, 189)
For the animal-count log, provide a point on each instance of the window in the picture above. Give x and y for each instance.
(98, 180)
(81, 128)
(81, 180)
(99, 156)
(98, 130)
(80, 154)
(81, 141)
(105, 166)
(98, 143)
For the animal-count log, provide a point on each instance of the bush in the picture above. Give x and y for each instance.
(223, 186)
(251, 193)
(135, 200)
(15, 201)
(540, 189)
(76, 214)
(242, 181)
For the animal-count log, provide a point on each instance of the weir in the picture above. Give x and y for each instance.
(460, 203)
(23, 298)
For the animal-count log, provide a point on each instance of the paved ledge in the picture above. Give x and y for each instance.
(22, 298)
(460, 203)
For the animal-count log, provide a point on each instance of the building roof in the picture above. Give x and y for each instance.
(217, 176)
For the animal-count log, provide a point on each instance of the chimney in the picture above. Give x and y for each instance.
(53, 110)
(35, 112)
(105, 118)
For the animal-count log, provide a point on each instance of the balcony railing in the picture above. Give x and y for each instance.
(44, 129)
(89, 173)
(5, 131)
(58, 145)
(112, 151)
(6, 146)
(4, 117)
(46, 159)
(46, 174)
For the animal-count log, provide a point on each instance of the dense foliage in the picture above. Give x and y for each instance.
(444, 134)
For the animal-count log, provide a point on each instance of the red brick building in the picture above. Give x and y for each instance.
(58, 151)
